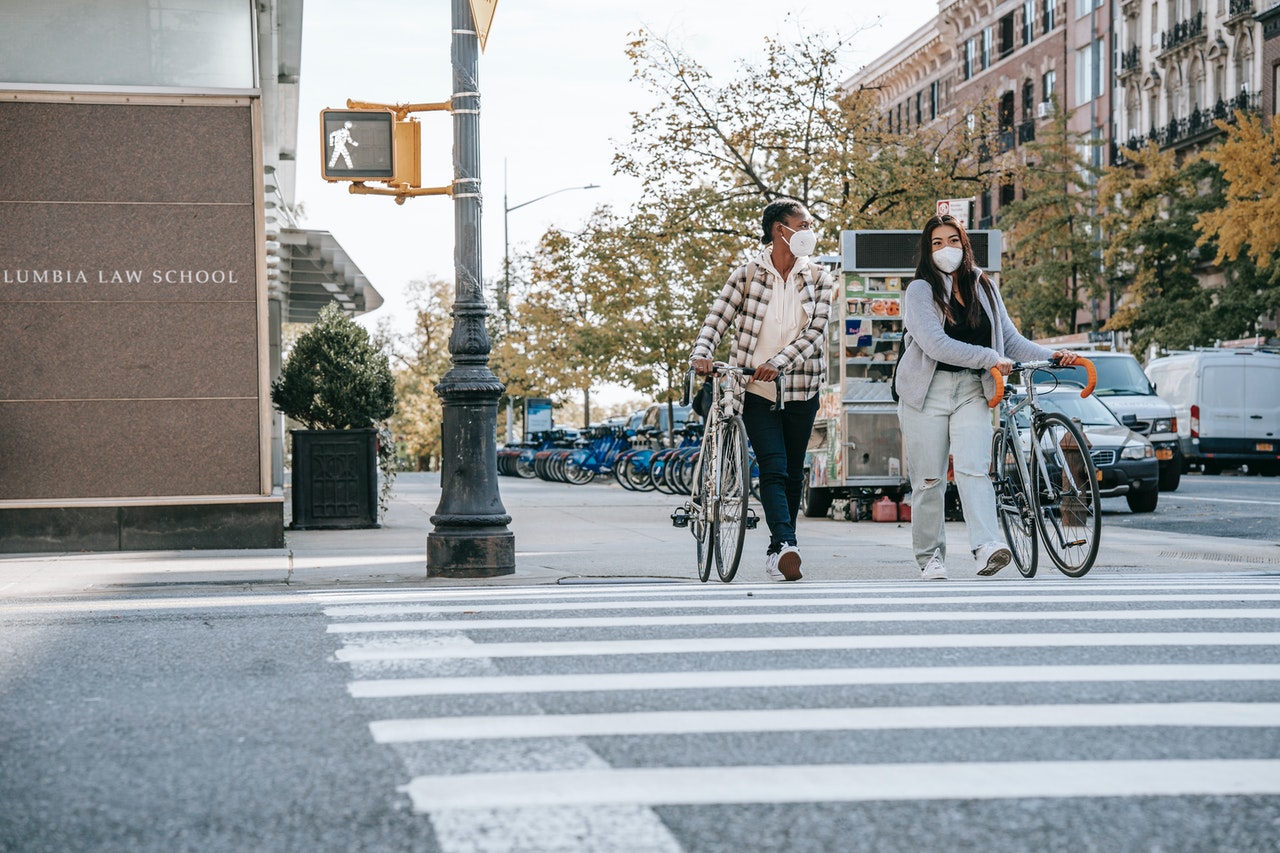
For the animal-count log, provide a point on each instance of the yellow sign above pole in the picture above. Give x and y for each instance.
(482, 14)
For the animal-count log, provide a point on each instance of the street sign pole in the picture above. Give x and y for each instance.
(470, 538)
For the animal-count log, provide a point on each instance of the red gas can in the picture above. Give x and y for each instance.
(884, 510)
(904, 511)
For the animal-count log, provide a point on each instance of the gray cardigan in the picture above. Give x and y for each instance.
(926, 343)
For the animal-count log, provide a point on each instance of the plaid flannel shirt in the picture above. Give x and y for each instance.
(803, 362)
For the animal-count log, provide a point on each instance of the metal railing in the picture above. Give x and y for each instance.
(1130, 59)
(1183, 32)
(1200, 121)
(1237, 8)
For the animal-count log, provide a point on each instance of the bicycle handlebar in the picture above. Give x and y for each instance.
(721, 368)
(1089, 370)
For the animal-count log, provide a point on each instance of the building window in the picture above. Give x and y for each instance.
(968, 59)
(1028, 100)
(987, 44)
(197, 44)
(1088, 77)
(1048, 15)
(1083, 7)
(1006, 35)
(919, 108)
(1028, 21)
(933, 100)
(1049, 84)
(1275, 89)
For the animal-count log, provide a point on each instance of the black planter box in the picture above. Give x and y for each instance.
(335, 478)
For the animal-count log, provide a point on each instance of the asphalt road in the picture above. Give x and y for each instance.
(1121, 713)
(1136, 709)
(1228, 504)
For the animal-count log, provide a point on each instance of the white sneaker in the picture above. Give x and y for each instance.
(992, 557)
(934, 570)
(771, 567)
(789, 562)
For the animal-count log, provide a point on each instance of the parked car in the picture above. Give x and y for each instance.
(1126, 460)
(1228, 406)
(1128, 392)
(657, 416)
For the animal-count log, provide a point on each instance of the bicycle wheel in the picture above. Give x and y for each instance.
(733, 489)
(684, 471)
(702, 522)
(620, 466)
(658, 470)
(638, 471)
(1013, 502)
(1067, 500)
(671, 483)
(524, 465)
(577, 473)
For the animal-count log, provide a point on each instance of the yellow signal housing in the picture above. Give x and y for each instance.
(408, 153)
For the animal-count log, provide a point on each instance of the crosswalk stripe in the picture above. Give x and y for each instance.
(743, 601)
(836, 677)
(707, 645)
(1207, 714)
(655, 786)
(808, 618)
(337, 601)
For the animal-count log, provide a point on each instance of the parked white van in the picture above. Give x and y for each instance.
(1228, 406)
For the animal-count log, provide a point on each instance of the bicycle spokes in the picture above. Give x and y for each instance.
(1070, 521)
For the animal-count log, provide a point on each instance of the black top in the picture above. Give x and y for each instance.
(979, 335)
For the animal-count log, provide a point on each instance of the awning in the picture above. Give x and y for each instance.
(314, 271)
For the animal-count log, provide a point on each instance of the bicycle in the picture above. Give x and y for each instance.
(717, 512)
(1046, 483)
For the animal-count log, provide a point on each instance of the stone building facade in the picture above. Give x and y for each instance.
(148, 257)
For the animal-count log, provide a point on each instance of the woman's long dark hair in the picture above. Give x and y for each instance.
(965, 278)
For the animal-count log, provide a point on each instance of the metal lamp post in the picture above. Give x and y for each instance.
(470, 538)
(505, 302)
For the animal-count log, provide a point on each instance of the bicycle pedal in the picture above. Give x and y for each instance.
(680, 518)
(752, 519)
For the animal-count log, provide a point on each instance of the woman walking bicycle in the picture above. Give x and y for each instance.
(957, 329)
(780, 301)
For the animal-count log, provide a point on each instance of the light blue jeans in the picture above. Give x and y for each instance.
(955, 420)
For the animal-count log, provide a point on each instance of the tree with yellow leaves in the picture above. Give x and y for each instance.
(1249, 221)
(1246, 229)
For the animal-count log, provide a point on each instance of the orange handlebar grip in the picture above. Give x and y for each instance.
(1092, 373)
(999, 377)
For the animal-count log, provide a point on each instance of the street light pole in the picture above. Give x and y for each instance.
(505, 302)
(470, 538)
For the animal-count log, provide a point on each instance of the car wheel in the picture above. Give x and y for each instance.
(1144, 501)
(1170, 477)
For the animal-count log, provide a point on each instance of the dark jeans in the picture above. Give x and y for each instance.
(779, 440)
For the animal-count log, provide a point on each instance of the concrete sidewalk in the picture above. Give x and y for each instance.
(570, 534)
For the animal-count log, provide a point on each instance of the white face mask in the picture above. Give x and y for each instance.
(802, 243)
(948, 259)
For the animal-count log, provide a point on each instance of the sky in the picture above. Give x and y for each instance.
(556, 98)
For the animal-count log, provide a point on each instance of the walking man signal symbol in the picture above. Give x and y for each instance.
(339, 139)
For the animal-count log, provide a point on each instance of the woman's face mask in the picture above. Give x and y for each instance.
(948, 258)
(802, 243)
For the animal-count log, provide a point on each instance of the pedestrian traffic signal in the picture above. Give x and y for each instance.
(359, 145)
(379, 143)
